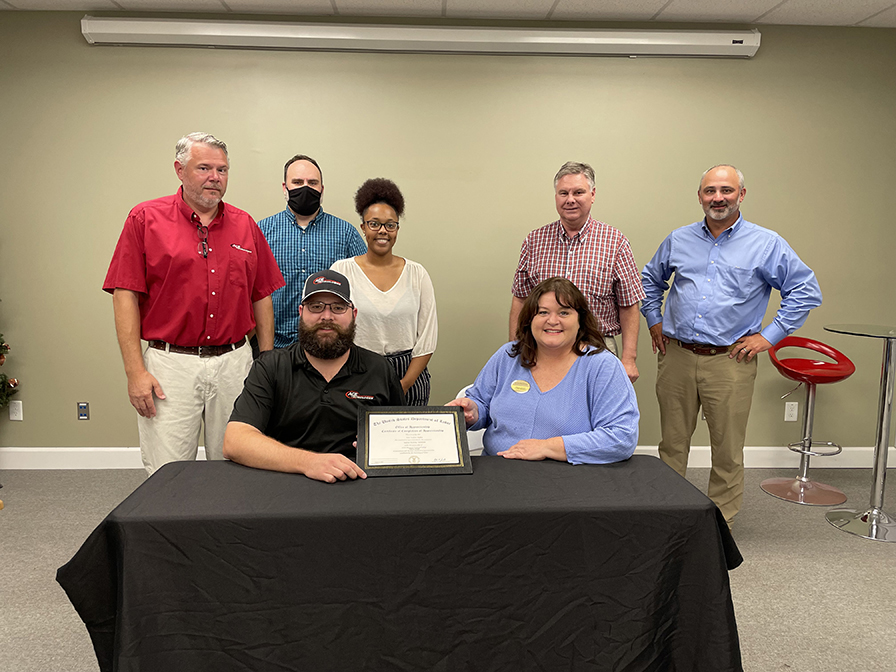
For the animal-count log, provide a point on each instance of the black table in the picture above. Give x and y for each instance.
(519, 566)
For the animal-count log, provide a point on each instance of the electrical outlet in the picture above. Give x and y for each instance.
(15, 410)
(791, 411)
(83, 410)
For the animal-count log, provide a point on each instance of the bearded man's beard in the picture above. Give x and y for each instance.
(326, 346)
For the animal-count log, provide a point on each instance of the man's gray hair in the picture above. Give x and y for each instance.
(740, 175)
(185, 145)
(575, 168)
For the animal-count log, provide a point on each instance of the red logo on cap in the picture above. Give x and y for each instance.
(318, 281)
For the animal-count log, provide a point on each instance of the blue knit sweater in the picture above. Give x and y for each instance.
(593, 408)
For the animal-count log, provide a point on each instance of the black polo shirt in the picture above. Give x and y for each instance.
(287, 399)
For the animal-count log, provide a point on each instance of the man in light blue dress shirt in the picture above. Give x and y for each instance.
(304, 240)
(711, 331)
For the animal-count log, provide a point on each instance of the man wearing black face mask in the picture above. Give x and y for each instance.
(304, 240)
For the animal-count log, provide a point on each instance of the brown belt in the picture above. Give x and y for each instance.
(705, 349)
(201, 350)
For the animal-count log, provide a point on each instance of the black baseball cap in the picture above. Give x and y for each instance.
(327, 281)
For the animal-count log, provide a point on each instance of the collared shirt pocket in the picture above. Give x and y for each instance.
(734, 281)
(242, 266)
(599, 281)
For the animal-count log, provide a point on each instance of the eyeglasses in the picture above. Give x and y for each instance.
(335, 308)
(203, 240)
(375, 226)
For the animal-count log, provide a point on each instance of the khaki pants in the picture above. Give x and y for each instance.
(196, 389)
(610, 342)
(685, 382)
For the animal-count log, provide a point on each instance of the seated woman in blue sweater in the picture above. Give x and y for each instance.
(556, 392)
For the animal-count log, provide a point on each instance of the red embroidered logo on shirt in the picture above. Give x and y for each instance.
(241, 249)
(351, 394)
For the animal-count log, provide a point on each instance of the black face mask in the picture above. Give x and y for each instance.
(304, 201)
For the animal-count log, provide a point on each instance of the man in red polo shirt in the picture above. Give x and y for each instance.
(192, 276)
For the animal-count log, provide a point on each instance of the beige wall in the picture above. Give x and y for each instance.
(88, 132)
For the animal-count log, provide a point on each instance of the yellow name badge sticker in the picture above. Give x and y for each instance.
(519, 386)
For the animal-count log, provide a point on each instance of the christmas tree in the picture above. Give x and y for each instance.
(7, 385)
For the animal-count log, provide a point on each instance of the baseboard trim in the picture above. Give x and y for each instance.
(755, 457)
(777, 457)
(74, 458)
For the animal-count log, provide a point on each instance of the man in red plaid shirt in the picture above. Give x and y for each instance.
(592, 255)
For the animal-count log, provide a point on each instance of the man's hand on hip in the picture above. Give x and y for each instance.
(747, 347)
(657, 340)
(141, 387)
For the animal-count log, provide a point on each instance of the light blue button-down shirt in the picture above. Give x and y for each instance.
(300, 253)
(722, 285)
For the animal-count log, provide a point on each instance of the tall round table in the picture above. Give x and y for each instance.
(873, 522)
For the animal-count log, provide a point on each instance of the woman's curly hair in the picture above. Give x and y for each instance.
(379, 190)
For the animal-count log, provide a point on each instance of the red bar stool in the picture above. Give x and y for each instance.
(808, 372)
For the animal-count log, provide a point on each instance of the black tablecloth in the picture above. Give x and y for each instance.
(519, 566)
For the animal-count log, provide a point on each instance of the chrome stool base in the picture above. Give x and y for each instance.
(871, 523)
(803, 491)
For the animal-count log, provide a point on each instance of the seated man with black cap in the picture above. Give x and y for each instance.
(298, 411)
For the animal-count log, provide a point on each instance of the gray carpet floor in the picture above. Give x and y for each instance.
(808, 598)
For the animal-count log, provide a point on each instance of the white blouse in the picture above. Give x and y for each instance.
(403, 318)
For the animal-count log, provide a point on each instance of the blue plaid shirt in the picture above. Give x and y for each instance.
(300, 253)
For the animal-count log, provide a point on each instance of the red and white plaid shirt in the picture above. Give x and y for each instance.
(598, 260)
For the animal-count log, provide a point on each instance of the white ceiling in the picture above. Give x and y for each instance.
(871, 13)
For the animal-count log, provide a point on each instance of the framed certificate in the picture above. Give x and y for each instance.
(413, 441)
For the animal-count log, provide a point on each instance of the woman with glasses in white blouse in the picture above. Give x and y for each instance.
(394, 296)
